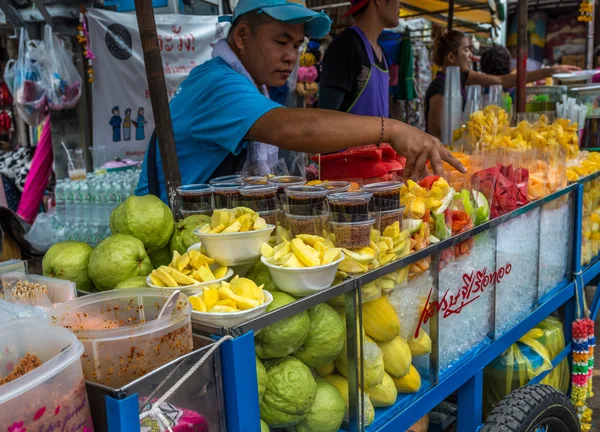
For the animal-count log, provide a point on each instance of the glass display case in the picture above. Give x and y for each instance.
(544, 98)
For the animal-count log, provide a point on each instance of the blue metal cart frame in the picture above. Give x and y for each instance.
(237, 355)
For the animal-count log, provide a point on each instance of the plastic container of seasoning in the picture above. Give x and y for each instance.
(305, 200)
(386, 195)
(336, 186)
(315, 224)
(256, 180)
(225, 195)
(121, 338)
(352, 235)
(48, 390)
(283, 182)
(235, 178)
(262, 199)
(383, 219)
(349, 206)
(194, 199)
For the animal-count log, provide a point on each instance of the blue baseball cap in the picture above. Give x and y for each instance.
(316, 24)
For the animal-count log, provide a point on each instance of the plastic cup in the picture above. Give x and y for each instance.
(98, 157)
(226, 195)
(305, 200)
(350, 206)
(352, 235)
(386, 195)
(283, 182)
(315, 224)
(262, 199)
(256, 180)
(336, 186)
(194, 199)
(76, 165)
(235, 178)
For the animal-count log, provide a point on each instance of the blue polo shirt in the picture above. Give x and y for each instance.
(212, 111)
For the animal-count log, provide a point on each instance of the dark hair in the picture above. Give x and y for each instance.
(495, 61)
(254, 20)
(445, 44)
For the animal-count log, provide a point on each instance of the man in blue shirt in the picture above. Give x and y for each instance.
(221, 112)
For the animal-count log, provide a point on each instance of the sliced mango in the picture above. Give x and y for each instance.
(259, 224)
(204, 274)
(330, 255)
(266, 250)
(221, 308)
(200, 259)
(305, 255)
(182, 279)
(156, 280)
(227, 302)
(309, 239)
(176, 256)
(220, 272)
(293, 262)
(233, 228)
(163, 274)
(197, 304)
(211, 297)
(218, 229)
(205, 229)
(183, 261)
(242, 303)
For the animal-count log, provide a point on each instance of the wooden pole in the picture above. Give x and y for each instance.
(450, 14)
(158, 97)
(521, 55)
(589, 41)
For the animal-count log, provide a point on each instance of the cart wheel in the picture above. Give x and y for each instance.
(533, 408)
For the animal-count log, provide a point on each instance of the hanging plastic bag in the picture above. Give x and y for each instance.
(9, 75)
(63, 82)
(29, 90)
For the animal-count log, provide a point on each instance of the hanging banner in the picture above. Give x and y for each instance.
(121, 109)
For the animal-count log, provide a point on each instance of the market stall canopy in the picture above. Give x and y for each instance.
(470, 16)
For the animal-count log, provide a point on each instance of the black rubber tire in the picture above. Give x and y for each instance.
(527, 408)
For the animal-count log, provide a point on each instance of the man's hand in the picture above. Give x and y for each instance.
(418, 147)
(564, 69)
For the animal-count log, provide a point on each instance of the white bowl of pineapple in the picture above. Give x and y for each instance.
(188, 273)
(230, 303)
(304, 266)
(234, 236)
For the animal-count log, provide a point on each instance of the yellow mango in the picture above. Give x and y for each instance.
(163, 274)
(227, 302)
(218, 229)
(420, 345)
(197, 304)
(266, 250)
(380, 320)
(200, 259)
(309, 239)
(305, 255)
(182, 279)
(330, 255)
(397, 356)
(220, 272)
(293, 262)
(409, 383)
(176, 256)
(233, 228)
(222, 308)
(259, 224)
(156, 280)
(383, 395)
(242, 303)
(211, 297)
(204, 274)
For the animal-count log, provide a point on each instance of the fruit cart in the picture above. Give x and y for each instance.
(523, 266)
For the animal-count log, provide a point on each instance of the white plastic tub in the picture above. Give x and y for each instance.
(52, 394)
(235, 249)
(230, 319)
(120, 334)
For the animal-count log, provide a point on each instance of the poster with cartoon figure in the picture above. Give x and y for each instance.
(120, 76)
(140, 123)
(127, 125)
(115, 123)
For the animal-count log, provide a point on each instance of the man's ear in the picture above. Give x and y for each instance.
(240, 36)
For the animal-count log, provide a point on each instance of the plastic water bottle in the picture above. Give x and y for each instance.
(112, 197)
(61, 205)
(69, 205)
(77, 202)
(87, 216)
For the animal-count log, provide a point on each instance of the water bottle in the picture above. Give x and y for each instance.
(112, 198)
(77, 202)
(86, 202)
(69, 210)
(61, 206)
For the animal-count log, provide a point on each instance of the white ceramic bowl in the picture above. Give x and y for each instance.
(195, 246)
(235, 249)
(230, 319)
(301, 282)
(193, 289)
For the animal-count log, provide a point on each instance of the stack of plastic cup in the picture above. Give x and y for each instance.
(453, 100)
(495, 96)
(474, 101)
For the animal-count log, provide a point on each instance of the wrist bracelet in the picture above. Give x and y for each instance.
(382, 131)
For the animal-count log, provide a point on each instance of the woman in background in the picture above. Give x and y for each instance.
(454, 49)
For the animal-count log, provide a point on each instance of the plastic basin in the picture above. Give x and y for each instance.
(121, 339)
(303, 281)
(52, 394)
(235, 249)
(230, 319)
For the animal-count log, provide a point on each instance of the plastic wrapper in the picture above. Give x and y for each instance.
(63, 82)
(523, 361)
(29, 91)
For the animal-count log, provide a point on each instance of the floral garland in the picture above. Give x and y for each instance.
(586, 10)
(584, 342)
(84, 39)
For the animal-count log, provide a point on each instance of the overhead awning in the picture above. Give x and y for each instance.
(470, 16)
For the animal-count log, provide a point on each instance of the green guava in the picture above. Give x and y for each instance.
(146, 218)
(264, 427)
(283, 337)
(263, 379)
(116, 259)
(134, 282)
(183, 234)
(325, 338)
(160, 257)
(290, 393)
(69, 261)
(327, 411)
